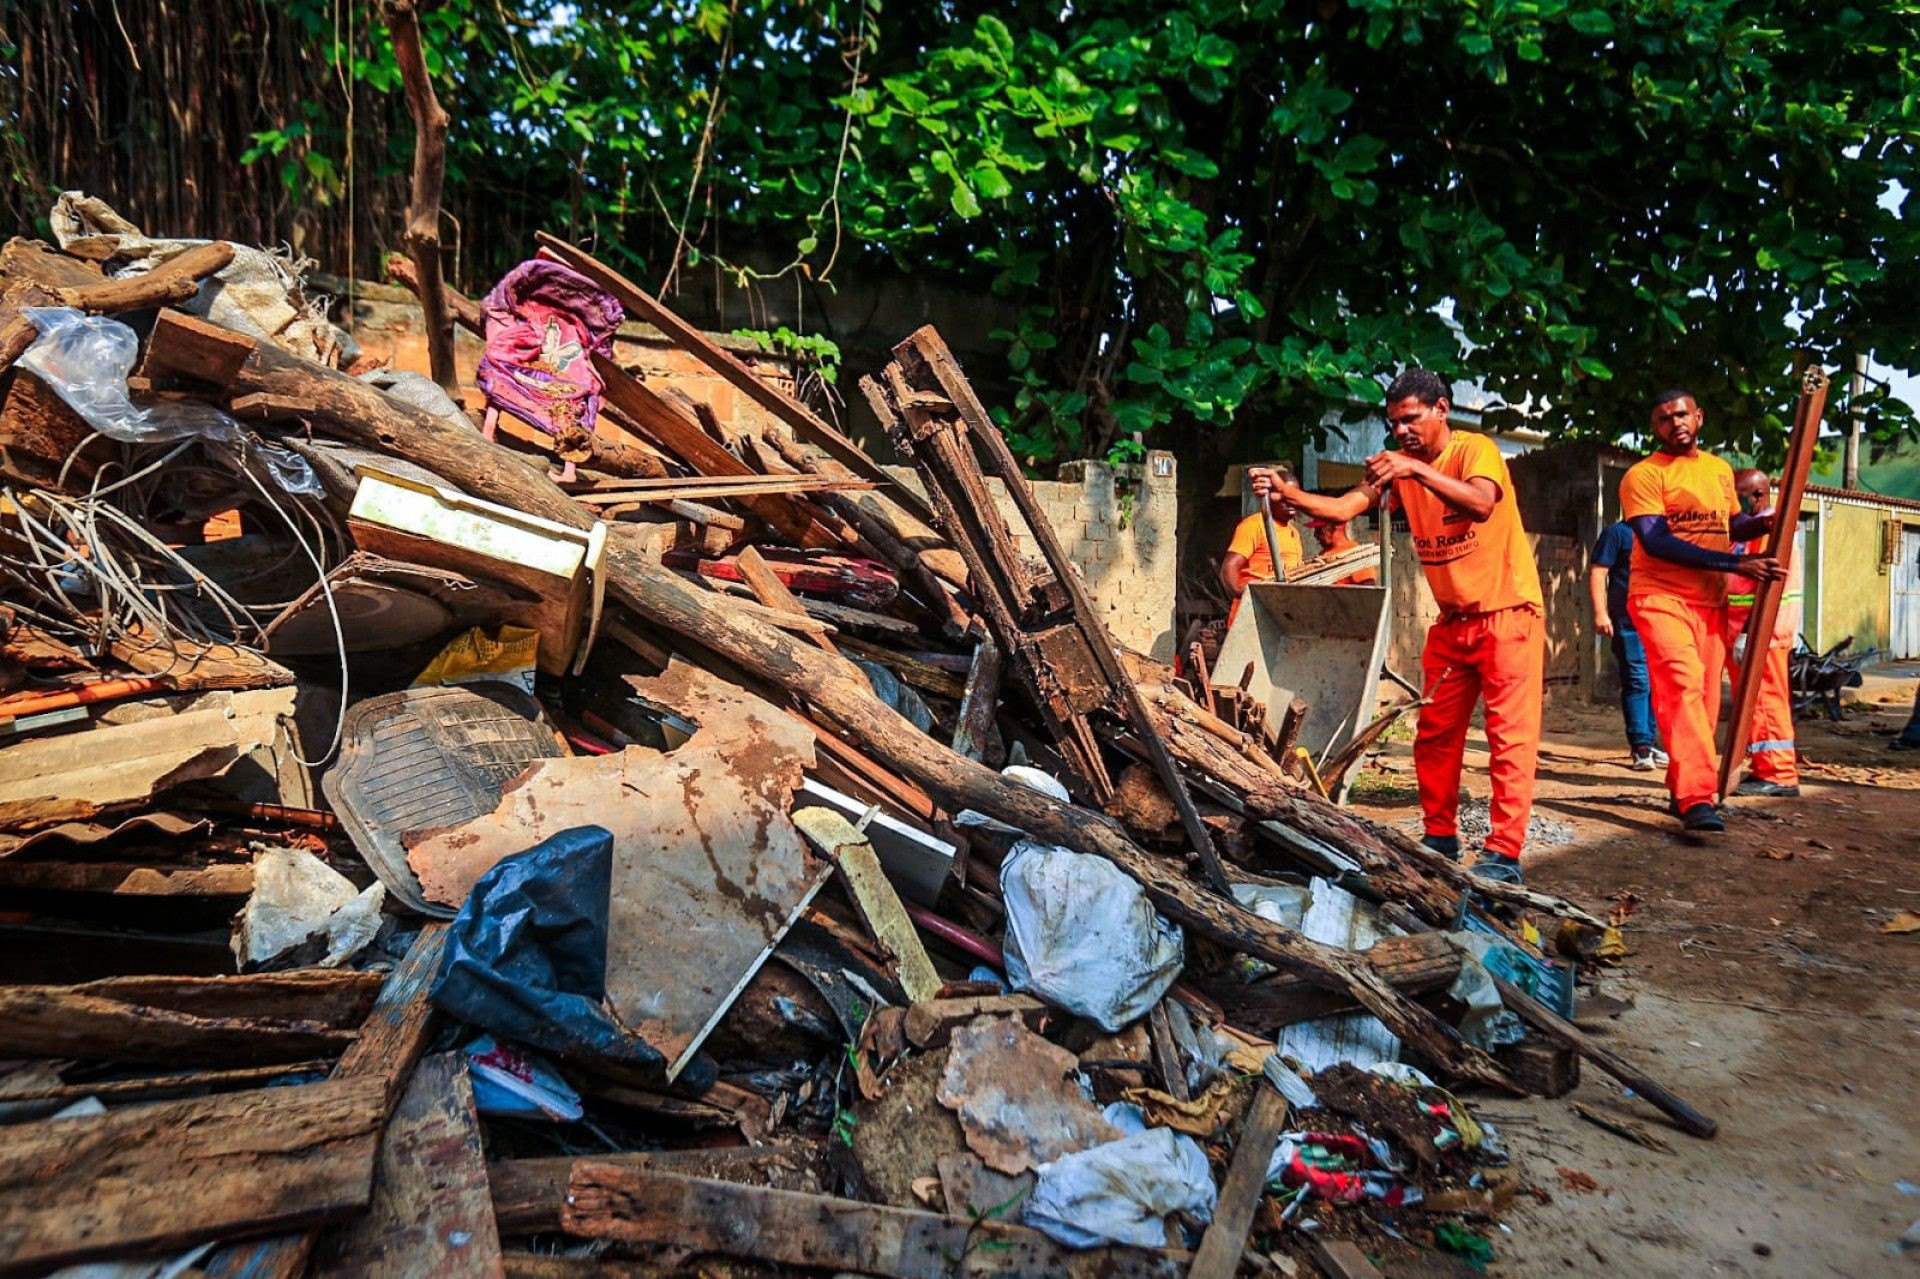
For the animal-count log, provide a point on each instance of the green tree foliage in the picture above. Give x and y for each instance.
(1237, 213)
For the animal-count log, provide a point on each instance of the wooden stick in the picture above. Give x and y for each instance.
(638, 1206)
(1767, 595)
(979, 700)
(1226, 1237)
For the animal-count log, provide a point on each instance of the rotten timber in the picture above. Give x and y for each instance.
(835, 687)
(633, 1206)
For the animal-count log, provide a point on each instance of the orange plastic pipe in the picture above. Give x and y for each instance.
(86, 695)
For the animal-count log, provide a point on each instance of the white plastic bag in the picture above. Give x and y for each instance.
(1082, 935)
(86, 359)
(1122, 1191)
(296, 896)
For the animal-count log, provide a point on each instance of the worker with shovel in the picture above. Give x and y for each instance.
(1681, 505)
(1491, 638)
(1257, 539)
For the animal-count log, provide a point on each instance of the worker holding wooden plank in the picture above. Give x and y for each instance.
(1491, 637)
(1680, 502)
(1772, 764)
(1257, 539)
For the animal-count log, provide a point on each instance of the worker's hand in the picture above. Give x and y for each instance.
(1384, 467)
(1603, 622)
(1761, 568)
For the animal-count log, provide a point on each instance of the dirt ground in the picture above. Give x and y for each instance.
(1762, 991)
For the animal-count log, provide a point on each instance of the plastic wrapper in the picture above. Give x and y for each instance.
(1082, 935)
(299, 903)
(86, 360)
(509, 1082)
(1121, 1192)
(527, 955)
(888, 688)
(507, 656)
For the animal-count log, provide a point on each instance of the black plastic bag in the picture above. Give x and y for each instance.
(527, 955)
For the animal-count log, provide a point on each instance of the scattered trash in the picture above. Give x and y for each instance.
(1082, 935)
(303, 912)
(1905, 921)
(1122, 1191)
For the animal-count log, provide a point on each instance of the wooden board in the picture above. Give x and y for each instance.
(606, 1201)
(529, 1194)
(391, 1042)
(54, 1021)
(873, 896)
(155, 1178)
(432, 1211)
(1226, 1237)
(1767, 595)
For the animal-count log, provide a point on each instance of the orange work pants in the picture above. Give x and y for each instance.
(1770, 748)
(1686, 647)
(1503, 656)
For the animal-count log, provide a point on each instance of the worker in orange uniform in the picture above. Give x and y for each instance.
(1490, 639)
(1247, 558)
(1681, 506)
(1332, 537)
(1772, 766)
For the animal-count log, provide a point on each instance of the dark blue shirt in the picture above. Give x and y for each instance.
(1614, 552)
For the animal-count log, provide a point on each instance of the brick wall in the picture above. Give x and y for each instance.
(1118, 532)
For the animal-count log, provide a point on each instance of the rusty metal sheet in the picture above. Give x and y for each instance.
(708, 871)
(1017, 1104)
(161, 824)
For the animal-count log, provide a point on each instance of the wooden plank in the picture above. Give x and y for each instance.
(1166, 1053)
(927, 345)
(390, 1044)
(931, 1024)
(772, 592)
(1342, 1259)
(873, 896)
(432, 1211)
(164, 1087)
(185, 346)
(330, 996)
(1226, 1238)
(529, 1194)
(911, 670)
(670, 427)
(157, 1178)
(1767, 595)
(979, 700)
(805, 423)
(632, 1206)
(54, 1021)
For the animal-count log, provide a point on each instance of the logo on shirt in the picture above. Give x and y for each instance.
(1447, 547)
(1694, 524)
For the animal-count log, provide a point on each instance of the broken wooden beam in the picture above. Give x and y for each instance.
(529, 1195)
(432, 1211)
(635, 1206)
(931, 1024)
(54, 1021)
(157, 1178)
(1220, 1248)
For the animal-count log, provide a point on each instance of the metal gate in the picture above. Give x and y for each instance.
(1904, 623)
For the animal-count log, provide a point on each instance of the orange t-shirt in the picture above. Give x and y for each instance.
(1250, 540)
(1471, 568)
(1696, 495)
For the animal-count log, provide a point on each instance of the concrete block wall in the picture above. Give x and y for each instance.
(1118, 531)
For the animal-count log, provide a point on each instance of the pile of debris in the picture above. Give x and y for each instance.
(651, 840)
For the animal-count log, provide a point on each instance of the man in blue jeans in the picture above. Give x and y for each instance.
(1607, 579)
